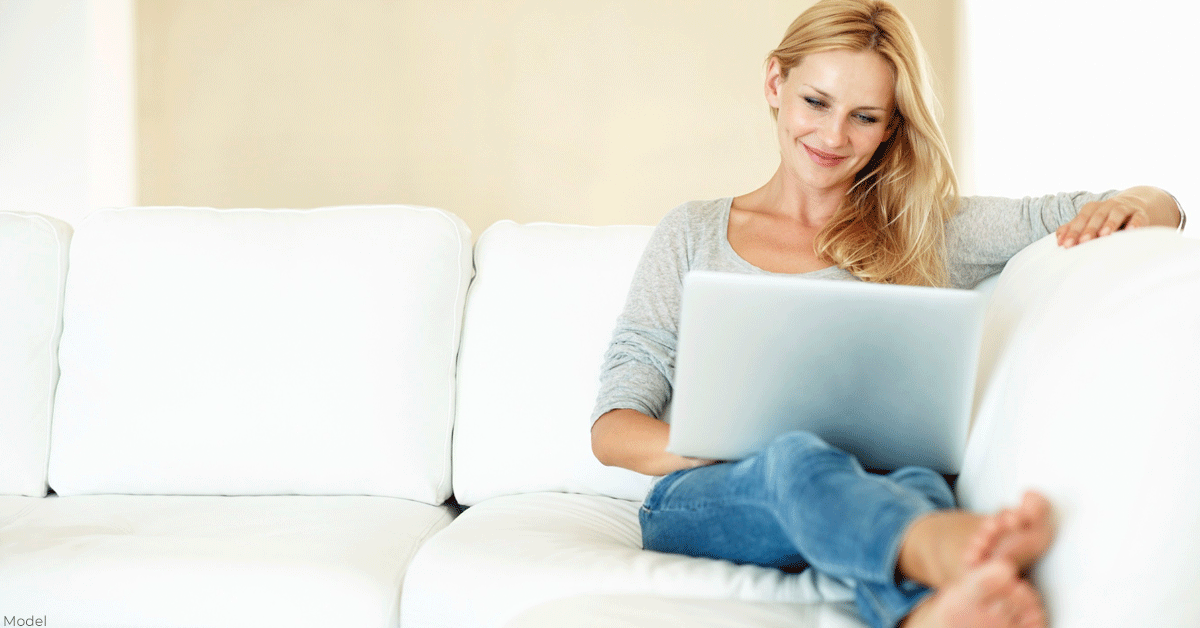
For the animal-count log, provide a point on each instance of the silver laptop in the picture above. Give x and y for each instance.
(884, 372)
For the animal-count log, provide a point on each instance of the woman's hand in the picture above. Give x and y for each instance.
(1136, 207)
(635, 441)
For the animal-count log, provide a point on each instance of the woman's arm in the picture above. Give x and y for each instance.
(1141, 206)
(635, 378)
(635, 441)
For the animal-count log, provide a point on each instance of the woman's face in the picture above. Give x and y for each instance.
(835, 108)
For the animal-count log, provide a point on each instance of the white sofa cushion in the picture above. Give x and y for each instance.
(231, 352)
(539, 318)
(33, 267)
(201, 561)
(1092, 398)
(512, 553)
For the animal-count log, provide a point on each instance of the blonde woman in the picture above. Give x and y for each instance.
(864, 191)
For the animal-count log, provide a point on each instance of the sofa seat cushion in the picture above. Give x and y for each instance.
(514, 552)
(645, 611)
(33, 269)
(161, 561)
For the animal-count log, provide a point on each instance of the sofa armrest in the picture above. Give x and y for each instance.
(1088, 393)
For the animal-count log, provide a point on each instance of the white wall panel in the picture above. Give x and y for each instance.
(66, 106)
(1078, 94)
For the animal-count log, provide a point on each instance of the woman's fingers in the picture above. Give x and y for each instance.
(1099, 219)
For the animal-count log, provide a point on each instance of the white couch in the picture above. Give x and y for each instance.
(259, 417)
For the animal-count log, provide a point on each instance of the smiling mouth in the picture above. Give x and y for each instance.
(822, 158)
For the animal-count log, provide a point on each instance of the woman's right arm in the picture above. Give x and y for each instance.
(635, 379)
(638, 442)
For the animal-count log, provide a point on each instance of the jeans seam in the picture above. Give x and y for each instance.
(857, 572)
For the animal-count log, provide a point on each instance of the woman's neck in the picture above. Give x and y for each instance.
(776, 229)
(783, 196)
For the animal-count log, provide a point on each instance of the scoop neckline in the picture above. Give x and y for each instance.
(726, 209)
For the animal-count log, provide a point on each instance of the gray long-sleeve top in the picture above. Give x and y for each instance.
(639, 366)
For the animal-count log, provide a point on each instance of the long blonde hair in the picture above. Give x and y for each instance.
(891, 227)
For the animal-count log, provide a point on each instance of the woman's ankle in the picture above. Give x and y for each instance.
(934, 546)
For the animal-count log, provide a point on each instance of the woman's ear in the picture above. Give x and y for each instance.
(774, 84)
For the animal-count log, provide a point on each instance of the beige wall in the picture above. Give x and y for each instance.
(592, 112)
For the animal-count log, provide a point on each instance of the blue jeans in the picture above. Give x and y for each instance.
(800, 502)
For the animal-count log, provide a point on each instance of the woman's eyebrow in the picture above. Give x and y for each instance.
(830, 98)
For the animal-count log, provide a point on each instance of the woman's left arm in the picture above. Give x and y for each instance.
(1141, 206)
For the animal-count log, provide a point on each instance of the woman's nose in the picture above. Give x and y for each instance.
(834, 132)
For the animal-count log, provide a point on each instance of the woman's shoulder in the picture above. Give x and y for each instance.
(700, 220)
(701, 210)
(691, 233)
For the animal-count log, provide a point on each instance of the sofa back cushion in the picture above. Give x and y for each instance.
(1089, 394)
(539, 318)
(253, 351)
(33, 267)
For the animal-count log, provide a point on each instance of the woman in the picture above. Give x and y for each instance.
(864, 190)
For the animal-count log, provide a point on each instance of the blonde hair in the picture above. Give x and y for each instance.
(891, 227)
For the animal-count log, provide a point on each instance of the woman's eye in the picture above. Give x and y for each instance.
(866, 119)
(815, 103)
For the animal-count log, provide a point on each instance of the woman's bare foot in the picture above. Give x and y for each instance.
(940, 547)
(975, 562)
(1021, 535)
(991, 595)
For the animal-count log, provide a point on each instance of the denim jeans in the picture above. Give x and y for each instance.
(800, 502)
